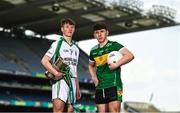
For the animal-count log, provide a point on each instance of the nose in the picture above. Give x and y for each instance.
(70, 29)
(99, 34)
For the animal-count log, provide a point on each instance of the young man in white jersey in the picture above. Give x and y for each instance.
(107, 77)
(69, 52)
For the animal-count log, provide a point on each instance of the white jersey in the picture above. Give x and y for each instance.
(69, 53)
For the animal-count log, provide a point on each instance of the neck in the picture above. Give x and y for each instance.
(68, 39)
(103, 43)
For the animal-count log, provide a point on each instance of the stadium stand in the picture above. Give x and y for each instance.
(12, 50)
(22, 80)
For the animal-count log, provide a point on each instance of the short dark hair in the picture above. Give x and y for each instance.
(100, 25)
(67, 21)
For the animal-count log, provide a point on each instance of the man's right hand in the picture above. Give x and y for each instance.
(95, 80)
(58, 75)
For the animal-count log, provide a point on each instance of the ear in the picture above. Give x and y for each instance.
(61, 29)
(107, 33)
(94, 35)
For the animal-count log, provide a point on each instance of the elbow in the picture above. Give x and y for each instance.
(42, 61)
(132, 57)
(89, 66)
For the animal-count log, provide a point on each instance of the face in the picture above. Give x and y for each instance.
(101, 35)
(68, 30)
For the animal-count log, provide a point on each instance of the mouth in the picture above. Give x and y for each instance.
(100, 38)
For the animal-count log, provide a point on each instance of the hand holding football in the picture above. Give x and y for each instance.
(113, 57)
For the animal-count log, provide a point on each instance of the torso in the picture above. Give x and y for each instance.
(107, 78)
(69, 53)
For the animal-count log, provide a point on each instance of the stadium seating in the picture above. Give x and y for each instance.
(18, 57)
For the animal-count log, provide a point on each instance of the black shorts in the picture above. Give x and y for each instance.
(103, 96)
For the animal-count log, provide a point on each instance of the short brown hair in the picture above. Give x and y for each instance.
(67, 21)
(99, 26)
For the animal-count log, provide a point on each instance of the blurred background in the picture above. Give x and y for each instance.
(150, 29)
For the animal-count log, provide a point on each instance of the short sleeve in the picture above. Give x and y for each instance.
(118, 46)
(52, 49)
(91, 59)
(77, 55)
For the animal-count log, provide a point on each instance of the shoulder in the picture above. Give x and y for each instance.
(115, 43)
(94, 51)
(75, 44)
(58, 40)
(95, 47)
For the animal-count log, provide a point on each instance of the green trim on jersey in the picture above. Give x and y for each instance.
(57, 54)
(72, 42)
(107, 78)
(58, 88)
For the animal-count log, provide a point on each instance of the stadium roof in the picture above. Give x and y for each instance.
(43, 16)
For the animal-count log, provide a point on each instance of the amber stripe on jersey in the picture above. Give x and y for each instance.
(101, 60)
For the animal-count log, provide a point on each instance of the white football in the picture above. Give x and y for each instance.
(113, 57)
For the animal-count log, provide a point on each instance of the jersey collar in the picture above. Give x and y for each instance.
(72, 42)
(104, 45)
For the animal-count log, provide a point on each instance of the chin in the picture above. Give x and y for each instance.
(69, 35)
(101, 41)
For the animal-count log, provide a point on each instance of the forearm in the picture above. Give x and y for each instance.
(92, 71)
(93, 74)
(77, 83)
(127, 57)
(78, 92)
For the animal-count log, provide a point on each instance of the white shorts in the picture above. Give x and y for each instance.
(60, 90)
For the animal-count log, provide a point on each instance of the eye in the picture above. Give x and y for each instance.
(72, 27)
(102, 31)
(96, 32)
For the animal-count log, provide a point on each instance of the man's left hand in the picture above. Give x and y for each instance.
(78, 94)
(113, 66)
